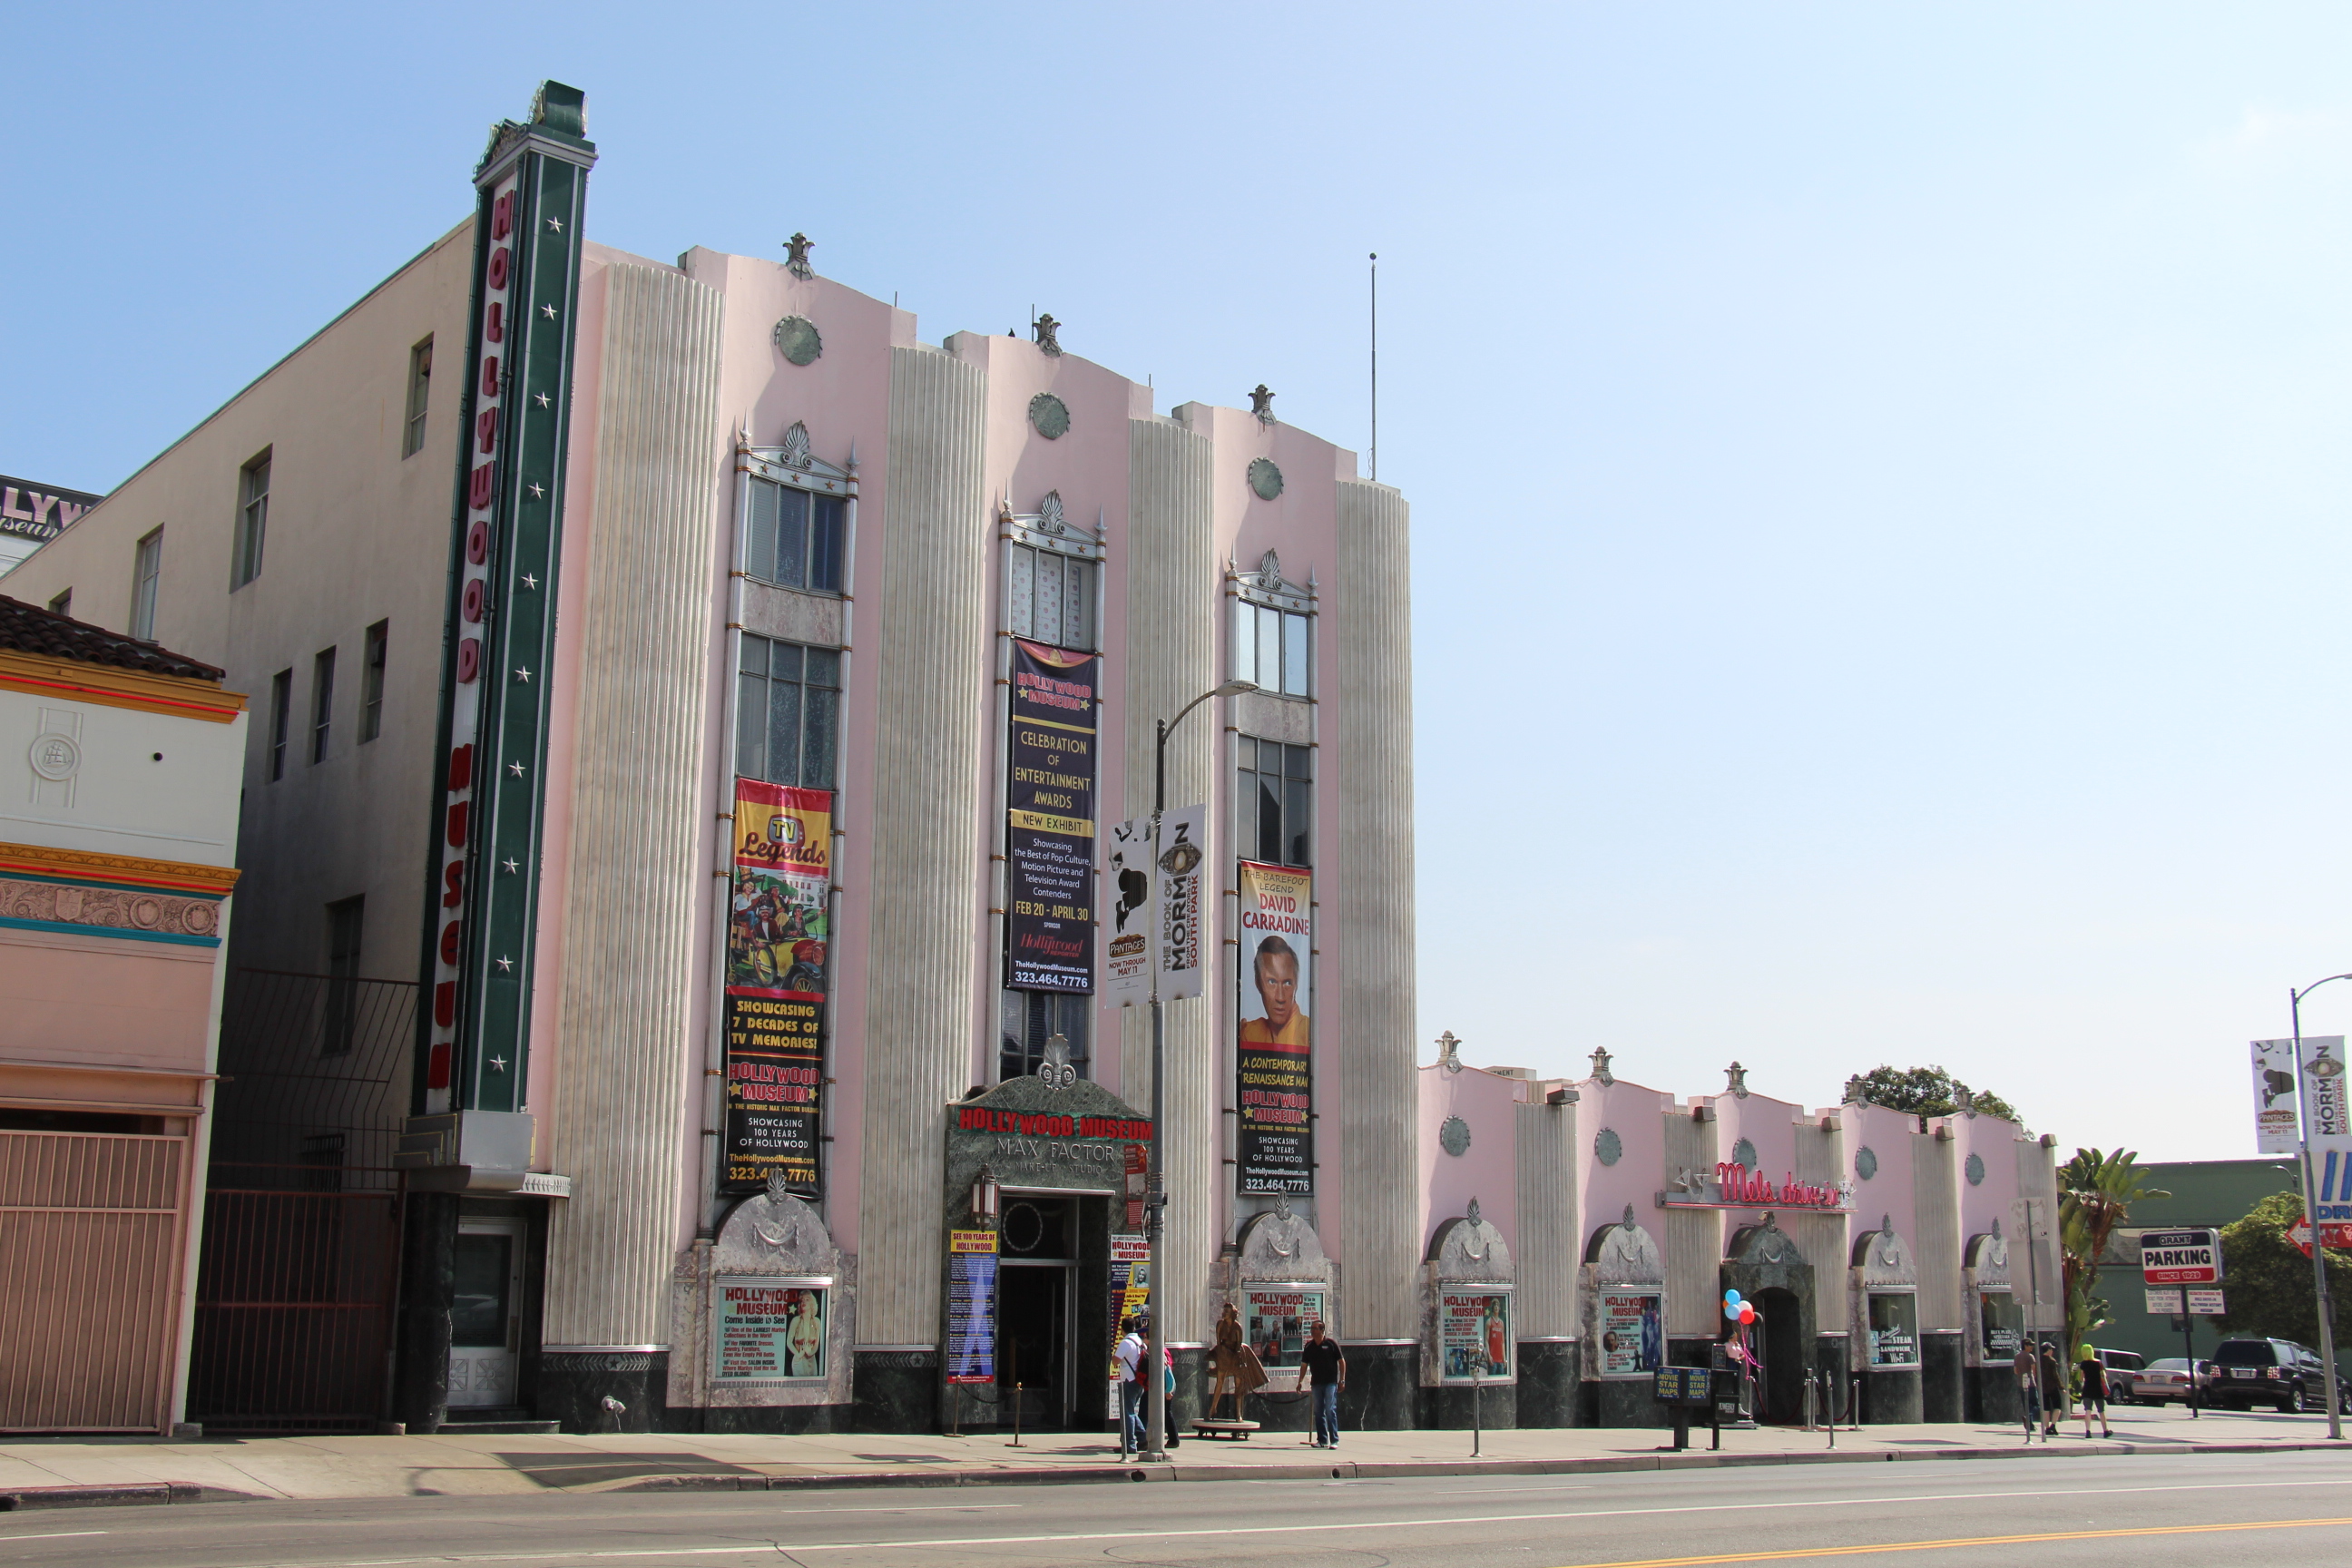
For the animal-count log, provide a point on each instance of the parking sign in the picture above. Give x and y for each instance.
(2179, 1258)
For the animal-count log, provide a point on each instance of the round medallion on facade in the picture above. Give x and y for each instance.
(201, 919)
(1976, 1170)
(1744, 1153)
(799, 338)
(1265, 479)
(1049, 415)
(146, 914)
(1025, 1227)
(1454, 1137)
(1607, 1147)
(1866, 1162)
(56, 757)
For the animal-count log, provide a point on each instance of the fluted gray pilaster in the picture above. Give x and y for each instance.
(1371, 846)
(931, 675)
(634, 885)
(1546, 1245)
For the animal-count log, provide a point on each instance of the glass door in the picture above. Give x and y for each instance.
(484, 1318)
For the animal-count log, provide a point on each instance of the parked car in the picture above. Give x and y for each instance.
(2278, 1372)
(2123, 1375)
(2163, 1381)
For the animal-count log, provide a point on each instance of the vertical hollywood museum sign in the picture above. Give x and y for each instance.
(498, 637)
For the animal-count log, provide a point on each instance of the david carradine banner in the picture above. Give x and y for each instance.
(1275, 1089)
(776, 938)
(1049, 838)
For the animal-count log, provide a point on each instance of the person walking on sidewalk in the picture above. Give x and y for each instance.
(1129, 1354)
(2028, 1387)
(1322, 1361)
(2095, 1392)
(2053, 1390)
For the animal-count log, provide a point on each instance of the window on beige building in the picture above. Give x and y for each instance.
(146, 570)
(252, 522)
(63, 604)
(322, 702)
(420, 383)
(378, 641)
(281, 699)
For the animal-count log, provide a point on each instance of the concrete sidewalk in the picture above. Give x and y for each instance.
(63, 1472)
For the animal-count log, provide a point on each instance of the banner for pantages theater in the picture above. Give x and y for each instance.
(1275, 1087)
(1049, 838)
(777, 938)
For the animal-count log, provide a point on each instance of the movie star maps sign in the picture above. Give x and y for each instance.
(779, 929)
(1275, 1092)
(1050, 824)
(515, 407)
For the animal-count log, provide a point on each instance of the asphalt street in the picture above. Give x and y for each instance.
(2149, 1512)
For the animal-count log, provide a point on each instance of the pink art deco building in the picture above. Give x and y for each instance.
(700, 715)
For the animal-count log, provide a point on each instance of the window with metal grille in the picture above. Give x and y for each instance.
(788, 713)
(1034, 1017)
(146, 571)
(1275, 800)
(1052, 597)
(794, 538)
(420, 384)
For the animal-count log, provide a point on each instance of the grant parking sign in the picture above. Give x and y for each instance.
(2179, 1258)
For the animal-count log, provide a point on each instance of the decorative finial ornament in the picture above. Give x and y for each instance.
(796, 446)
(1056, 1071)
(796, 261)
(1600, 1073)
(1966, 1100)
(1886, 1225)
(1447, 1049)
(1628, 1221)
(1043, 328)
(1262, 404)
(1049, 511)
(1269, 571)
(1471, 1214)
(1282, 1205)
(1739, 1084)
(778, 1188)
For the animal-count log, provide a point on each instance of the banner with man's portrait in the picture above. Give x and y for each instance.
(778, 935)
(1272, 1059)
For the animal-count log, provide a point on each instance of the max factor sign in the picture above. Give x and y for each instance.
(1734, 1186)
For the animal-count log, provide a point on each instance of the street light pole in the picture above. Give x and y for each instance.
(1155, 1195)
(2311, 1218)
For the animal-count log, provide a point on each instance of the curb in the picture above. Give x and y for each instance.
(1406, 1468)
(103, 1496)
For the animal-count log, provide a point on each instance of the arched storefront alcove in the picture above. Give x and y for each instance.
(1762, 1264)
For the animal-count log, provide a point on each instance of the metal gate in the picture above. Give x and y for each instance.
(294, 1299)
(90, 1265)
(299, 1270)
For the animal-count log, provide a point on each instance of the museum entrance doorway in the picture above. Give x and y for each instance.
(1762, 1264)
(1036, 1309)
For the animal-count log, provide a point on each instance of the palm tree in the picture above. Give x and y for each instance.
(2095, 1192)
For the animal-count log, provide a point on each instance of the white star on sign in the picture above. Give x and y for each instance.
(529, 581)
(512, 867)
(556, 223)
(548, 311)
(505, 963)
(545, 402)
(498, 1063)
(538, 492)
(522, 675)
(515, 768)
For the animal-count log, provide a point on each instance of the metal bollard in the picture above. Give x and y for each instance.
(1478, 1410)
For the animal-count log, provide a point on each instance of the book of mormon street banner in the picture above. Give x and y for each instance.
(1276, 1087)
(1049, 838)
(776, 938)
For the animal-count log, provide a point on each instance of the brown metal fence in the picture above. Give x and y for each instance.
(90, 1275)
(299, 1267)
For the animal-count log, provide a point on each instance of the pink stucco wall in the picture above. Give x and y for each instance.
(1637, 1113)
(1488, 1170)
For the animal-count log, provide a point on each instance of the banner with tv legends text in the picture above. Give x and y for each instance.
(1049, 831)
(1274, 1089)
(778, 935)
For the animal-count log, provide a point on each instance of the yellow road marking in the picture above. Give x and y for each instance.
(1967, 1540)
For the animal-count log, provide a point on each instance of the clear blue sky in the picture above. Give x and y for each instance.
(1879, 472)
